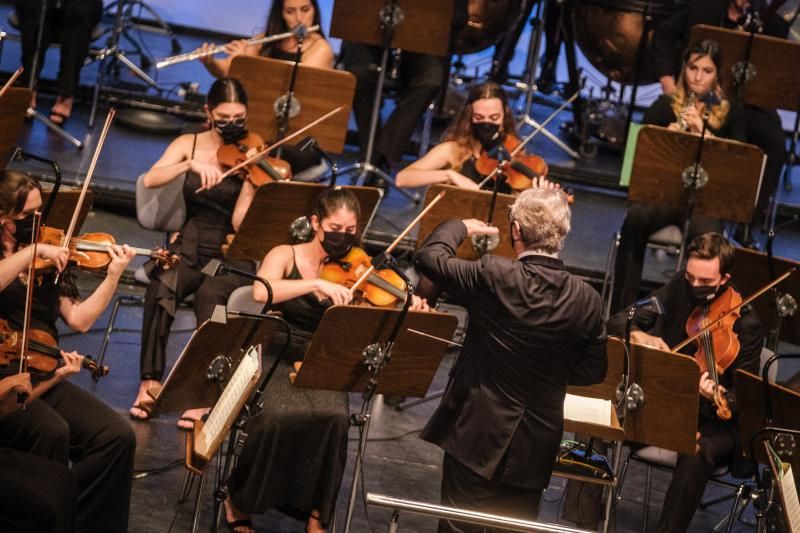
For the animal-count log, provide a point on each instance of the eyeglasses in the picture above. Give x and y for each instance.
(238, 122)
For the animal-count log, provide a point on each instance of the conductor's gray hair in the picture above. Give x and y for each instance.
(544, 217)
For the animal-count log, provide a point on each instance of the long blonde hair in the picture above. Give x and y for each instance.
(460, 129)
(718, 112)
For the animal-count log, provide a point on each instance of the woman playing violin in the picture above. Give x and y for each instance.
(483, 123)
(296, 450)
(62, 421)
(284, 15)
(215, 208)
(705, 282)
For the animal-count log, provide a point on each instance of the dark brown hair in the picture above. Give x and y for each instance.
(226, 91)
(276, 25)
(711, 245)
(14, 189)
(460, 130)
(331, 200)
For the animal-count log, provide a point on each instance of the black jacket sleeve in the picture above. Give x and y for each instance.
(591, 368)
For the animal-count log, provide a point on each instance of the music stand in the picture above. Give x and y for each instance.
(275, 210)
(662, 402)
(763, 63)
(63, 206)
(317, 91)
(418, 26)
(351, 352)
(462, 203)
(663, 174)
(13, 110)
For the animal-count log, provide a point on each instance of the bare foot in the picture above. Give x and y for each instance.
(313, 525)
(232, 514)
(62, 109)
(142, 398)
(33, 99)
(186, 419)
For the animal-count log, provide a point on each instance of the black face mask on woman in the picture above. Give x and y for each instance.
(337, 244)
(24, 232)
(487, 134)
(231, 130)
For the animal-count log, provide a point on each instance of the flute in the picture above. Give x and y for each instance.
(174, 60)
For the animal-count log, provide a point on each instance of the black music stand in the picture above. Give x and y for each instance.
(13, 109)
(200, 374)
(762, 75)
(277, 215)
(418, 26)
(351, 351)
(711, 176)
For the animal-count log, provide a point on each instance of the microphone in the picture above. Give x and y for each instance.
(216, 267)
(652, 302)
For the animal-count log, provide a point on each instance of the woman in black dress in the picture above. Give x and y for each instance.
(296, 448)
(283, 16)
(215, 208)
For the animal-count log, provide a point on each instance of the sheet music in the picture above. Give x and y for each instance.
(584, 409)
(790, 502)
(228, 401)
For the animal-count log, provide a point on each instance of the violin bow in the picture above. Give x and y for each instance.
(399, 238)
(26, 319)
(11, 81)
(100, 142)
(274, 145)
(744, 302)
(530, 137)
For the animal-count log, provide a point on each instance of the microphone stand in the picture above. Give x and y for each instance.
(784, 304)
(287, 99)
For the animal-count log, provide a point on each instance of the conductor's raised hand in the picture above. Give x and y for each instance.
(479, 227)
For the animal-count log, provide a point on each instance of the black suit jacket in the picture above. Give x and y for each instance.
(533, 329)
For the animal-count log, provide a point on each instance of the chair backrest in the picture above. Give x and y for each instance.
(241, 300)
(766, 353)
(161, 208)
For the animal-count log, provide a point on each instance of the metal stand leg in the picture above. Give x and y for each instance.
(609, 497)
(197, 503)
(362, 420)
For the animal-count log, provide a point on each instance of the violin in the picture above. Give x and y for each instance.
(259, 171)
(43, 357)
(520, 171)
(717, 344)
(90, 250)
(382, 288)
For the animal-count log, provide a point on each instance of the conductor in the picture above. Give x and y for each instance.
(534, 328)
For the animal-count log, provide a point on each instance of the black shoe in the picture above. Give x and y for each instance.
(744, 236)
(374, 180)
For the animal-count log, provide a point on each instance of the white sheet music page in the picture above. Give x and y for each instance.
(584, 409)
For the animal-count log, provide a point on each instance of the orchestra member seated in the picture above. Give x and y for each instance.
(706, 278)
(61, 421)
(481, 125)
(216, 207)
(70, 22)
(284, 15)
(296, 448)
(681, 111)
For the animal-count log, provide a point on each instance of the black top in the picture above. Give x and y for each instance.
(671, 33)
(533, 329)
(660, 113)
(671, 327)
(303, 313)
(46, 299)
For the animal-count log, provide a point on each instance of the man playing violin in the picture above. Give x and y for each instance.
(483, 123)
(533, 329)
(706, 278)
(62, 421)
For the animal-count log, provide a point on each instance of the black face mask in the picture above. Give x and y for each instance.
(24, 232)
(487, 134)
(231, 130)
(705, 294)
(337, 244)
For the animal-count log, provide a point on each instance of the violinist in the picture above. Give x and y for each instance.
(683, 110)
(62, 421)
(284, 15)
(215, 208)
(533, 329)
(296, 449)
(706, 280)
(483, 123)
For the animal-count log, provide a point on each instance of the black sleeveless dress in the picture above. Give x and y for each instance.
(296, 448)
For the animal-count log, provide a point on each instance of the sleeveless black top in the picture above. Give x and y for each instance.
(304, 312)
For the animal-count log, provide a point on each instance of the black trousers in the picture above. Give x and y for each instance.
(69, 22)
(159, 309)
(70, 424)
(691, 475)
(461, 487)
(37, 494)
(421, 77)
(764, 129)
(640, 222)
